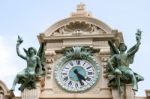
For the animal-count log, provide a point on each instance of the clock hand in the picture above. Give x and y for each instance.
(80, 77)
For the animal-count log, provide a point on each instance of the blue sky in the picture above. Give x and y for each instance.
(28, 18)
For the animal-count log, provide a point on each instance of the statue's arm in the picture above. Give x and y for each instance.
(135, 48)
(18, 52)
(110, 61)
(113, 48)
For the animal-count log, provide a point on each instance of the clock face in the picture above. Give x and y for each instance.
(77, 75)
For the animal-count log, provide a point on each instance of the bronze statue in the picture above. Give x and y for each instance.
(28, 76)
(119, 72)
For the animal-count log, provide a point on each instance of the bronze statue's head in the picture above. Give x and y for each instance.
(32, 50)
(122, 47)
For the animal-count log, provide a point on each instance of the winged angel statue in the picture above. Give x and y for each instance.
(119, 72)
(35, 67)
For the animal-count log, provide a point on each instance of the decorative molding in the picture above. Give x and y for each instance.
(81, 11)
(3, 88)
(88, 20)
(78, 28)
(50, 56)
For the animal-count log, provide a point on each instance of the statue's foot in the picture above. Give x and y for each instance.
(12, 89)
(135, 88)
(21, 88)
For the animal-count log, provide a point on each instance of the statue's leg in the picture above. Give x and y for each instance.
(133, 79)
(19, 76)
(29, 81)
(23, 85)
(138, 77)
(15, 82)
(118, 75)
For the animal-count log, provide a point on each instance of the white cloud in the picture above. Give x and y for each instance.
(4, 52)
(6, 68)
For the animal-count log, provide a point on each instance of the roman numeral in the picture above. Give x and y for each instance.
(88, 79)
(65, 79)
(89, 67)
(66, 68)
(76, 85)
(78, 62)
(64, 73)
(90, 73)
(71, 63)
(84, 63)
(70, 83)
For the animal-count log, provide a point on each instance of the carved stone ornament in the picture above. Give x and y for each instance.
(78, 28)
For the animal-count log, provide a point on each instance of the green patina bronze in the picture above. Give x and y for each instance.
(118, 71)
(78, 52)
(35, 70)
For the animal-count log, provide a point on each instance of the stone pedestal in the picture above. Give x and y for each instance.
(147, 94)
(31, 93)
(129, 93)
(118, 95)
(126, 93)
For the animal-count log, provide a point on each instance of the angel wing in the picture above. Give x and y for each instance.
(41, 55)
(40, 52)
(113, 78)
(113, 48)
(26, 51)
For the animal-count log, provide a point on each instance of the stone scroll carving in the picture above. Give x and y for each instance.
(78, 28)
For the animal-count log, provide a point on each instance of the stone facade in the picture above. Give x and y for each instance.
(80, 29)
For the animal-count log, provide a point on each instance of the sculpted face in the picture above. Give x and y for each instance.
(31, 51)
(122, 47)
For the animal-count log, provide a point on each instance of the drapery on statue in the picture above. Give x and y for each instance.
(34, 70)
(118, 65)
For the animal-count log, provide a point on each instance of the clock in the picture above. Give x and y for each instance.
(77, 75)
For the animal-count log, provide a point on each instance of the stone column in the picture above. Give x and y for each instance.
(31, 93)
(50, 58)
(129, 93)
(104, 56)
(1, 95)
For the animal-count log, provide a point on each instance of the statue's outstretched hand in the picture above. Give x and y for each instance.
(19, 41)
(138, 36)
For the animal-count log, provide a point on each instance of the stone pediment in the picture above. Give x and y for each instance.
(4, 91)
(78, 28)
(80, 22)
(3, 87)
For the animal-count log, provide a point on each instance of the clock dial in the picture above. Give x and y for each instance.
(77, 75)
